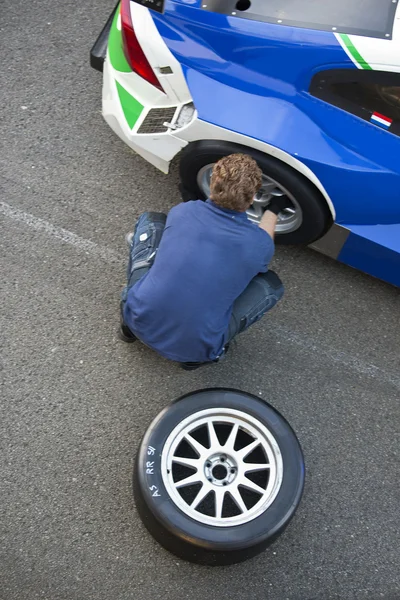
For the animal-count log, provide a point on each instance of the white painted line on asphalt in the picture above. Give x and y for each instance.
(64, 235)
(111, 256)
(349, 361)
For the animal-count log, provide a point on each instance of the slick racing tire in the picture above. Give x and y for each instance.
(218, 476)
(307, 218)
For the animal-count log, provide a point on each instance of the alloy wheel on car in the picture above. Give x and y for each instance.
(289, 219)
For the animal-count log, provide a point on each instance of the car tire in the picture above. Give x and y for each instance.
(236, 534)
(316, 217)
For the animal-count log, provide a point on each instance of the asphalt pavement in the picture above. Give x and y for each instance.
(75, 401)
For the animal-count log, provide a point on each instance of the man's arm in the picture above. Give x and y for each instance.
(270, 217)
(268, 222)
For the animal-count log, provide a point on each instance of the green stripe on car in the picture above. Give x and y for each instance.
(130, 106)
(115, 49)
(354, 52)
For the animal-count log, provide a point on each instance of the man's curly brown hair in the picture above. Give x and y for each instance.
(234, 182)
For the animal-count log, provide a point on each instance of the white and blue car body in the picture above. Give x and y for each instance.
(310, 88)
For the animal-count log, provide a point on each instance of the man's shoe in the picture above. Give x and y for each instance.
(126, 335)
(192, 366)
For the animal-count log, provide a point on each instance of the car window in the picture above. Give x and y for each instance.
(371, 95)
(371, 18)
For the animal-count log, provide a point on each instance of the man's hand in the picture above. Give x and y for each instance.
(278, 204)
(270, 217)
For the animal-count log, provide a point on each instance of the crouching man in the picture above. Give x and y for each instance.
(200, 276)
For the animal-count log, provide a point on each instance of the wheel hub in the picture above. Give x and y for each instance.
(220, 470)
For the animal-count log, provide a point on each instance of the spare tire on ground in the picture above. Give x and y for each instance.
(218, 476)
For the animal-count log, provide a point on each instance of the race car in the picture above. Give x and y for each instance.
(310, 89)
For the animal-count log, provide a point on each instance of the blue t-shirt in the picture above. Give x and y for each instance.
(207, 256)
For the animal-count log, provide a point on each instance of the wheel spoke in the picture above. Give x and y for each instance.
(202, 493)
(190, 480)
(267, 187)
(250, 485)
(241, 454)
(277, 193)
(250, 467)
(256, 210)
(200, 449)
(187, 462)
(214, 441)
(219, 502)
(230, 442)
(235, 493)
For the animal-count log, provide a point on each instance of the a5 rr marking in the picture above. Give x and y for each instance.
(154, 489)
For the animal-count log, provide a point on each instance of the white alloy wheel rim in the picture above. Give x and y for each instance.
(222, 467)
(289, 219)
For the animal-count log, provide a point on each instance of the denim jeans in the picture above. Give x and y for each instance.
(262, 293)
(142, 252)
